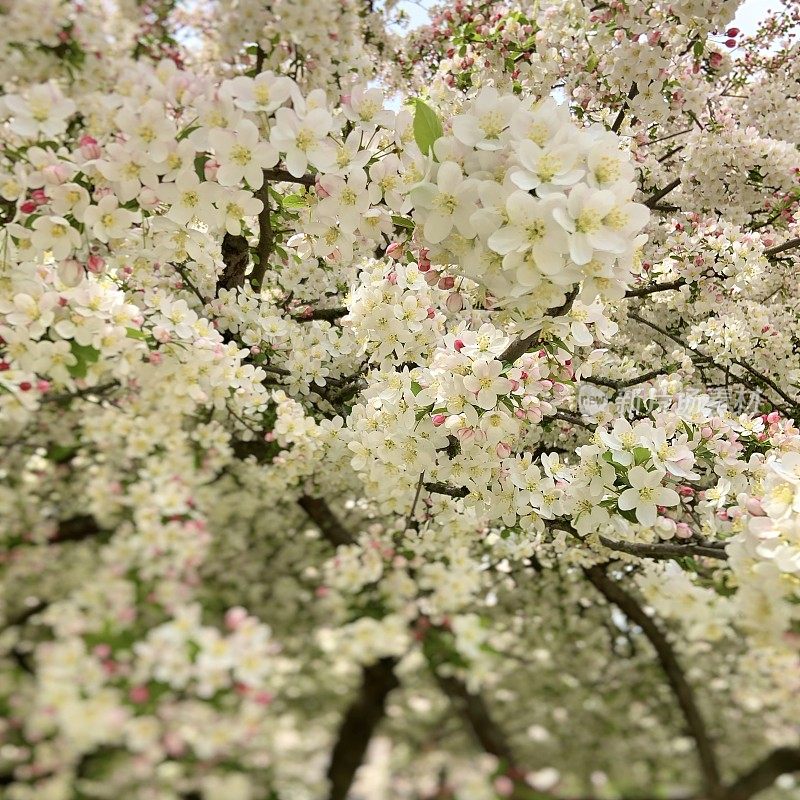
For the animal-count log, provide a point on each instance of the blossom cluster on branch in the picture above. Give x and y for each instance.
(372, 414)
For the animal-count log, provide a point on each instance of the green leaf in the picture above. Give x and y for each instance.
(200, 166)
(294, 201)
(402, 222)
(427, 127)
(135, 333)
(640, 455)
(698, 49)
(85, 355)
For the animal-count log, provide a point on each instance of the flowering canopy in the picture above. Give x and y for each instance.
(399, 415)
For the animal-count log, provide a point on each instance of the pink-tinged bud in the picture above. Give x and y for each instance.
(55, 174)
(730, 43)
(395, 250)
(454, 302)
(465, 434)
(96, 264)
(423, 253)
(210, 169)
(447, 282)
(520, 414)
(504, 786)
(773, 417)
(432, 277)
(147, 198)
(514, 385)
(438, 419)
(431, 312)
(4, 366)
(70, 272)
(503, 450)
(255, 350)
(269, 436)
(39, 196)
(683, 531)
(25, 386)
(263, 698)
(754, 508)
(63, 302)
(89, 148)
(28, 207)
(43, 386)
(346, 99)
(715, 59)
(392, 278)
(234, 617)
(322, 591)
(706, 432)
(424, 265)
(321, 191)
(139, 694)
(458, 345)
(155, 358)
(732, 32)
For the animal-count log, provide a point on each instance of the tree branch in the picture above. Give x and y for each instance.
(782, 248)
(676, 678)
(281, 175)
(665, 550)
(320, 513)
(765, 773)
(661, 193)
(521, 346)
(646, 291)
(359, 724)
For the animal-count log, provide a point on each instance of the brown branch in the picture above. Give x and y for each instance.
(661, 193)
(326, 314)
(521, 346)
(266, 237)
(617, 124)
(437, 487)
(236, 257)
(764, 774)
(628, 382)
(473, 708)
(359, 724)
(323, 517)
(782, 248)
(666, 550)
(676, 678)
(281, 175)
(646, 291)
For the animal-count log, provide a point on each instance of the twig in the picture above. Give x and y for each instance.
(661, 193)
(665, 550)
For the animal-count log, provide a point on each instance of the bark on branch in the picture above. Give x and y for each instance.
(765, 773)
(665, 550)
(359, 724)
(322, 516)
(684, 694)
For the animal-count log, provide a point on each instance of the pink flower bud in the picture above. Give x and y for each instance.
(28, 207)
(70, 272)
(447, 282)
(454, 302)
(773, 417)
(139, 694)
(95, 264)
(43, 386)
(423, 266)
(438, 419)
(458, 345)
(706, 432)
(431, 312)
(395, 250)
(89, 148)
(147, 198)
(392, 278)
(754, 508)
(39, 196)
(683, 531)
(210, 169)
(55, 174)
(503, 450)
(234, 617)
(432, 277)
